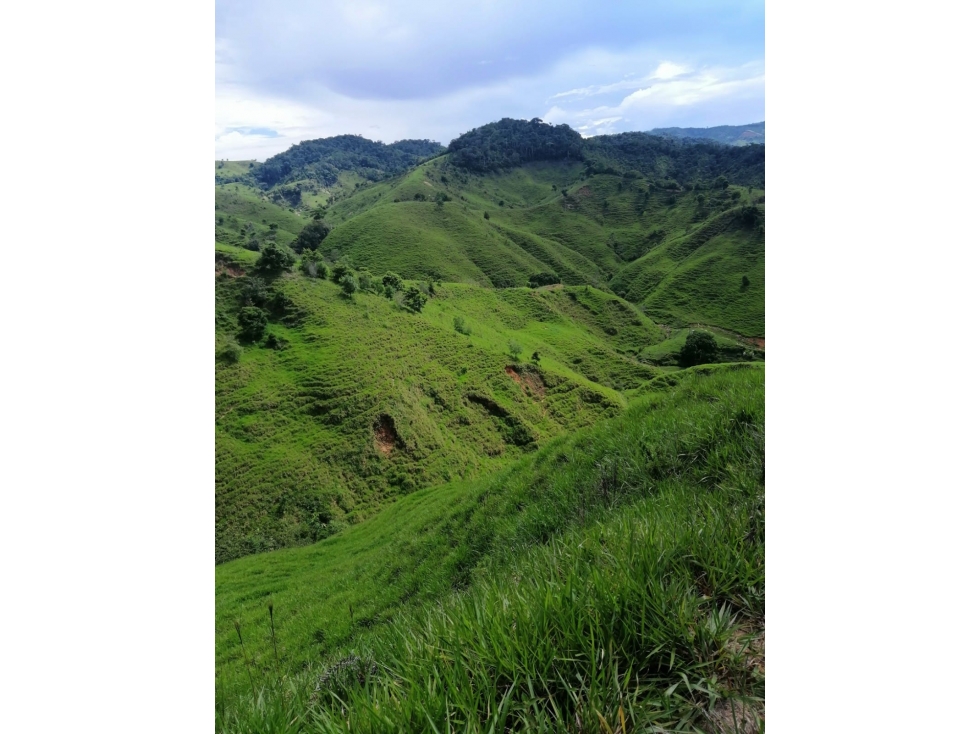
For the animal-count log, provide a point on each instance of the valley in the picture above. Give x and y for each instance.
(468, 402)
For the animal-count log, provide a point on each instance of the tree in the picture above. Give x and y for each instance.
(253, 292)
(311, 236)
(365, 281)
(273, 261)
(720, 182)
(515, 349)
(700, 348)
(251, 322)
(745, 282)
(349, 285)
(485, 215)
(393, 280)
(535, 358)
(341, 271)
(415, 299)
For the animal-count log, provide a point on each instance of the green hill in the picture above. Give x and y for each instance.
(688, 460)
(297, 454)
(457, 464)
(360, 401)
(726, 134)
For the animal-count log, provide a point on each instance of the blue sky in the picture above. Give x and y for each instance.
(297, 69)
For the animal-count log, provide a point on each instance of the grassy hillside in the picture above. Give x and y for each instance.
(614, 605)
(698, 276)
(360, 401)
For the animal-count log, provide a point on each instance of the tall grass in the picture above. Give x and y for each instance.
(614, 583)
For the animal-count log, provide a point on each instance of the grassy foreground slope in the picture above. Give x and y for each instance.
(360, 401)
(638, 551)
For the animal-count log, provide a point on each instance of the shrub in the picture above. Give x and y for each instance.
(415, 300)
(311, 263)
(349, 285)
(273, 261)
(744, 281)
(539, 279)
(365, 281)
(460, 325)
(228, 351)
(341, 271)
(515, 349)
(700, 348)
(253, 292)
(393, 280)
(485, 215)
(311, 236)
(252, 322)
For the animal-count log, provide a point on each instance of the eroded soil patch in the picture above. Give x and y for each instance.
(530, 381)
(385, 436)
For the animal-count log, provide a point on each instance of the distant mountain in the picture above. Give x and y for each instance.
(501, 146)
(726, 134)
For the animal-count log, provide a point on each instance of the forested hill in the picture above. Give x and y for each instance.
(503, 145)
(323, 159)
(726, 134)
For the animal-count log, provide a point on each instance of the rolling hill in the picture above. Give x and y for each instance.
(461, 481)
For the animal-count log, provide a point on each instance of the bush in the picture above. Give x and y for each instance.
(273, 260)
(365, 281)
(311, 236)
(311, 264)
(252, 322)
(485, 215)
(392, 280)
(228, 352)
(460, 325)
(515, 349)
(253, 292)
(744, 281)
(700, 348)
(341, 271)
(415, 300)
(349, 285)
(539, 279)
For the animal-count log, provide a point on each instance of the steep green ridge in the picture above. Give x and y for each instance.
(698, 277)
(360, 401)
(727, 134)
(692, 451)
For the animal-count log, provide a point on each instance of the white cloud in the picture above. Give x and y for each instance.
(629, 97)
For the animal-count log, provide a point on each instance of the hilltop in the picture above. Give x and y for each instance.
(727, 134)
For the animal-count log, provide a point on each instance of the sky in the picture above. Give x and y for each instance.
(297, 69)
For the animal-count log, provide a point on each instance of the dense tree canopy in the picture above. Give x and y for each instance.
(672, 159)
(324, 158)
(699, 348)
(507, 143)
(311, 236)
